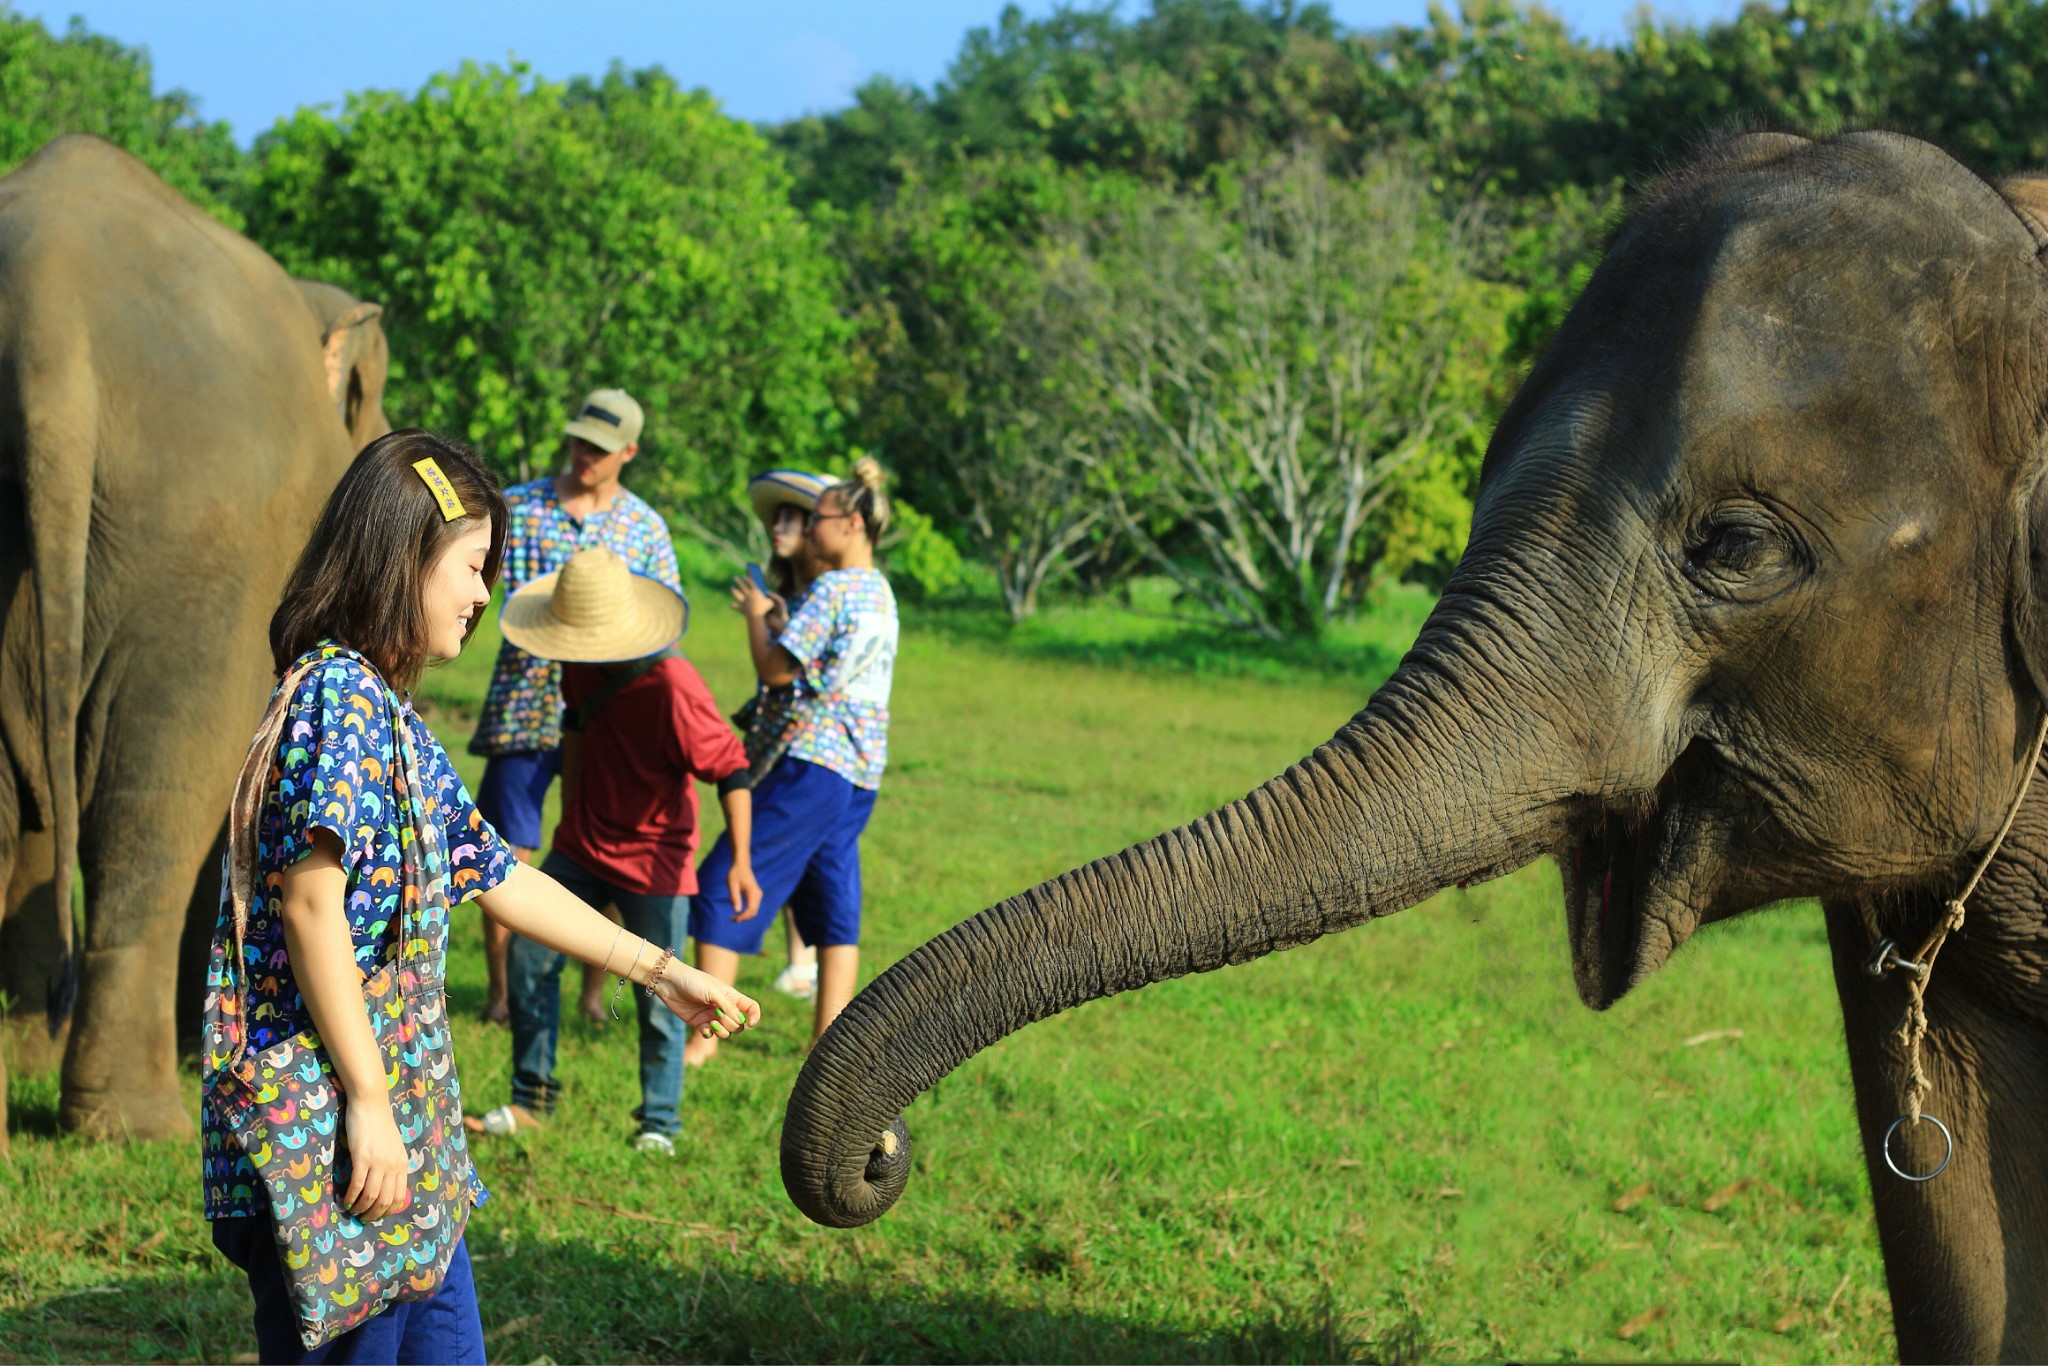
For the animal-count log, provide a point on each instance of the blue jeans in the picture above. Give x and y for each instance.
(533, 977)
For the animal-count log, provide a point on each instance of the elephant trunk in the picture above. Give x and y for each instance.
(1419, 791)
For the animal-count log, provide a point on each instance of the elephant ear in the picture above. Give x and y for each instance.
(2027, 195)
(335, 345)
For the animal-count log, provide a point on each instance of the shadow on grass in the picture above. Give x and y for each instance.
(576, 1304)
(143, 1318)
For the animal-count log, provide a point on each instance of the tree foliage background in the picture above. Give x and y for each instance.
(533, 241)
(1214, 286)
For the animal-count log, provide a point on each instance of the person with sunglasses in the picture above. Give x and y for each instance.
(839, 650)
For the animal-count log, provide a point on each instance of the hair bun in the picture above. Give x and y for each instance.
(869, 471)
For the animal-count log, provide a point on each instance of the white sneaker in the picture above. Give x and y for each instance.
(800, 982)
(655, 1145)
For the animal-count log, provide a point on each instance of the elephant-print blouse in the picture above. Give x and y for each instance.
(332, 772)
(523, 709)
(844, 639)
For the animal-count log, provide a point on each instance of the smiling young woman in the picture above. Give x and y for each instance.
(350, 842)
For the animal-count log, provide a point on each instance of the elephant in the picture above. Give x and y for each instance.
(173, 411)
(1754, 607)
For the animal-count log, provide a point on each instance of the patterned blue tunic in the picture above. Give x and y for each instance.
(844, 640)
(333, 772)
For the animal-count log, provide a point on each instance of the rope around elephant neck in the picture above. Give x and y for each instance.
(1912, 1032)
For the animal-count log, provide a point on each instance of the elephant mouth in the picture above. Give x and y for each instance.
(1604, 880)
(1632, 877)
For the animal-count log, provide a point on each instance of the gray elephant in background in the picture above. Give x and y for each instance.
(1755, 607)
(173, 411)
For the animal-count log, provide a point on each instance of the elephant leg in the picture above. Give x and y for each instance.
(29, 949)
(141, 851)
(201, 915)
(29, 942)
(28, 945)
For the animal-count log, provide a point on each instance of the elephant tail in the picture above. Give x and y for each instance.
(59, 438)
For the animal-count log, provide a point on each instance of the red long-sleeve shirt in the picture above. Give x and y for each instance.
(633, 818)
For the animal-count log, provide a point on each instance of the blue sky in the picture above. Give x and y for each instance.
(251, 63)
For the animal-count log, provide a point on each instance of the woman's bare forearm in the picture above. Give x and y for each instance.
(738, 806)
(323, 959)
(774, 665)
(531, 903)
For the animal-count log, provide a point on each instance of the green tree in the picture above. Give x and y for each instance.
(1285, 357)
(860, 155)
(85, 83)
(531, 241)
(972, 395)
(1164, 96)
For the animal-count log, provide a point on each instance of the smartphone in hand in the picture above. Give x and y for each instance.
(760, 580)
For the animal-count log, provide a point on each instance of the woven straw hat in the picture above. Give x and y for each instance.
(594, 611)
(779, 488)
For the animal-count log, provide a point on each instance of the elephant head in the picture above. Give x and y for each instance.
(355, 356)
(1751, 610)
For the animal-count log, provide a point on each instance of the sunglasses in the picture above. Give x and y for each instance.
(813, 518)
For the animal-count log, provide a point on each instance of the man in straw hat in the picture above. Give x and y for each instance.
(640, 729)
(519, 731)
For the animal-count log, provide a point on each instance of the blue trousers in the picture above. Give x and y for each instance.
(514, 788)
(444, 1327)
(807, 826)
(533, 979)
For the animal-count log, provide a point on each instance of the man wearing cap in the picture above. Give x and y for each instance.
(519, 732)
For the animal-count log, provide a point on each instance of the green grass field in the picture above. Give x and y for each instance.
(1405, 1143)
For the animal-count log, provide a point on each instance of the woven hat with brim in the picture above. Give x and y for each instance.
(609, 420)
(594, 611)
(790, 488)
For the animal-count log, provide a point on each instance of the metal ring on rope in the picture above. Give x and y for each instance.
(1947, 1151)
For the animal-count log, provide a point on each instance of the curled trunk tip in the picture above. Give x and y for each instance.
(850, 1194)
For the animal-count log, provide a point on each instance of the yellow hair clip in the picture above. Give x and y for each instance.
(438, 485)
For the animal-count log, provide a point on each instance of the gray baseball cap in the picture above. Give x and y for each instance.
(609, 420)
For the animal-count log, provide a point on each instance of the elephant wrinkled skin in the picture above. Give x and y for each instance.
(173, 411)
(1755, 607)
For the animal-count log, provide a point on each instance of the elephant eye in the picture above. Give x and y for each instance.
(1740, 554)
(1735, 549)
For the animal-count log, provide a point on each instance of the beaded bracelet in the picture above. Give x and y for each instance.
(660, 966)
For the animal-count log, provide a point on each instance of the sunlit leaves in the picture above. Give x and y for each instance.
(531, 241)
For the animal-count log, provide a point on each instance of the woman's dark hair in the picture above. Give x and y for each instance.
(861, 492)
(781, 573)
(359, 579)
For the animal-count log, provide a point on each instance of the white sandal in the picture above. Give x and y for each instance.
(501, 1122)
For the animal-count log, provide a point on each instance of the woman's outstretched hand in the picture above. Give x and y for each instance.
(704, 1003)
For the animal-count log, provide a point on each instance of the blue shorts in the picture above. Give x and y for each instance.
(445, 1326)
(513, 789)
(807, 824)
